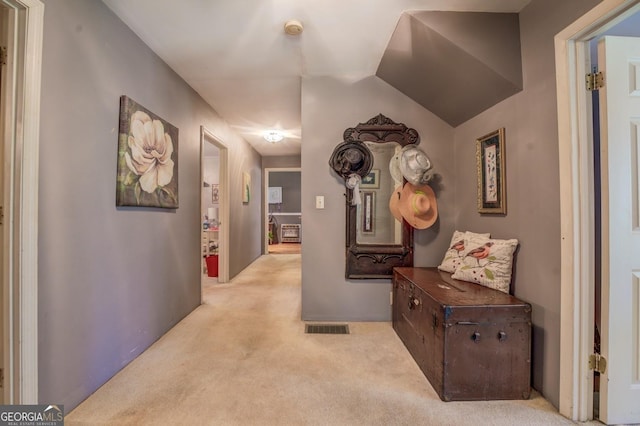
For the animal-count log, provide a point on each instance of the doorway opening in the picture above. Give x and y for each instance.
(629, 27)
(580, 192)
(214, 209)
(210, 212)
(283, 215)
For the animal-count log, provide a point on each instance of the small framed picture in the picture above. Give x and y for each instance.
(372, 180)
(215, 193)
(368, 211)
(490, 159)
(246, 187)
(275, 195)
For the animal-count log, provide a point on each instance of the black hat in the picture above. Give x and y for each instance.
(351, 157)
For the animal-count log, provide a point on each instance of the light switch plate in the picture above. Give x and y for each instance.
(319, 202)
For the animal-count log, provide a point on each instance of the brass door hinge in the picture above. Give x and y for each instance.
(595, 81)
(1, 377)
(3, 55)
(597, 363)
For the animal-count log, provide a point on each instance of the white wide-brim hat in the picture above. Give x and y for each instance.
(394, 167)
(415, 165)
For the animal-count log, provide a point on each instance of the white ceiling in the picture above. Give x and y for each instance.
(235, 54)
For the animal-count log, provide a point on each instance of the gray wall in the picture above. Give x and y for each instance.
(329, 106)
(112, 281)
(533, 202)
(290, 184)
(211, 175)
(287, 161)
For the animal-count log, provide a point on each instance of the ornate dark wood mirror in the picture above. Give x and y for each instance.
(375, 241)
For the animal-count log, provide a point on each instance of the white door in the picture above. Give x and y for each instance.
(619, 60)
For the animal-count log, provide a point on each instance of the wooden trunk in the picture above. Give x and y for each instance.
(471, 342)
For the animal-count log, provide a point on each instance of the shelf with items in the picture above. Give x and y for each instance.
(210, 251)
(209, 242)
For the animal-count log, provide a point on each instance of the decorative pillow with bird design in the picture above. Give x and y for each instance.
(453, 256)
(487, 262)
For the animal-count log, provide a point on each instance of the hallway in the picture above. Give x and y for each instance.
(285, 248)
(243, 358)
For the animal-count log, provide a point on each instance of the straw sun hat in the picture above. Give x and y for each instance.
(416, 204)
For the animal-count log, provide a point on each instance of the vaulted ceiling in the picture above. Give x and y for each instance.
(455, 64)
(236, 55)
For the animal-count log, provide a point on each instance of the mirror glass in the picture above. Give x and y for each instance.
(376, 224)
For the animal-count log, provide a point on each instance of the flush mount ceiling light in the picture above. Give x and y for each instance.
(293, 27)
(273, 136)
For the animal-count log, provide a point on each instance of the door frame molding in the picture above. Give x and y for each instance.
(20, 232)
(207, 136)
(577, 241)
(267, 171)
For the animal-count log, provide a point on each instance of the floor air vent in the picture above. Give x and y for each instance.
(327, 329)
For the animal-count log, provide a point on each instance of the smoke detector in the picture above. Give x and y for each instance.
(293, 27)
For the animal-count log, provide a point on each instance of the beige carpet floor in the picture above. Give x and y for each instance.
(285, 248)
(243, 358)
